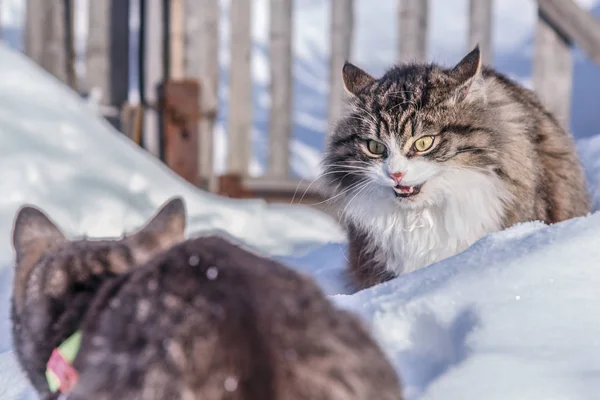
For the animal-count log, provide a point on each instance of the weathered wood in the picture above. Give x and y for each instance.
(154, 71)
(280, 55)
(107, 54)
(240, 88)
(575, 23)
(342, 28)
(45, 36)
(179, 104)
(202, 63)
(413, 27)
(480, 28)
(553, 69)
(176, 39)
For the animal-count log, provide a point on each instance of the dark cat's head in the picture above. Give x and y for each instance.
(411, 137)
(56, 278)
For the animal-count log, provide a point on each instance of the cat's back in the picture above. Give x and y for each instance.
(209, 318)
(559, 180)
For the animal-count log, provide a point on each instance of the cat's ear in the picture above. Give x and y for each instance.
(33, 234)
(355, 79)
(467, 73)
(166, 228)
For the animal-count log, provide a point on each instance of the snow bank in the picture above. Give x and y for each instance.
(55, 153)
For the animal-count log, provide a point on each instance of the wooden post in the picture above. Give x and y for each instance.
(45, 37)
(179, 102)
(153, 70)
(280, 55)
(176, 39)
(342, 27)
(107, 59)
(480, 28)
(202, 63)
(553, 69)
(576, 23)
(72, 80)
(412, 40)
(240, 88)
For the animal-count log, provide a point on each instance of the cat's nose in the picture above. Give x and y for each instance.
(396, 176)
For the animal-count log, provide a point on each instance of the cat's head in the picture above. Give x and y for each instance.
(56, 279)
(49, 266)
(412, 137)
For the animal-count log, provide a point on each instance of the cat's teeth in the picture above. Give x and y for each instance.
(412, 189)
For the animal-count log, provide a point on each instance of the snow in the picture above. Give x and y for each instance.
(512, 317)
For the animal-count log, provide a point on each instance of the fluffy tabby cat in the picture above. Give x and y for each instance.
(430, 159)
(203, 320)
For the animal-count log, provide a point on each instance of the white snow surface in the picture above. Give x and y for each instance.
(512, 317)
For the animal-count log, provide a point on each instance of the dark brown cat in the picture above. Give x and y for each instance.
(204, 320)
(56, 279)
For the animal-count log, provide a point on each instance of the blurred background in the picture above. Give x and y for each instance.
(237, 96)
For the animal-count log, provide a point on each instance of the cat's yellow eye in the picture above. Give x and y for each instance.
(375, 148)
(424, 143)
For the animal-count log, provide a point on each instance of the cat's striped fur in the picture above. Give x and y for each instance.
(496, 157)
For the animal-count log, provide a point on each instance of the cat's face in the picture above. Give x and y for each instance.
(412, 137)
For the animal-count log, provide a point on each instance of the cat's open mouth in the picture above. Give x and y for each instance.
(407, 191)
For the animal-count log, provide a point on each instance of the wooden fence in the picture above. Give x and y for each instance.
(183, 42)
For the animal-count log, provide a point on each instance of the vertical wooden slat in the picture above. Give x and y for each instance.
(69, 19)
(107, 55)
(553, 69)
(240, 88)
(46, 36)
(177, 39)
(153, 71)
(413, 21)
(280, 55)
(480, 28)
(342, 28)
(202, 63)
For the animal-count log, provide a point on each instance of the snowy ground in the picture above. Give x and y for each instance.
(513, 317)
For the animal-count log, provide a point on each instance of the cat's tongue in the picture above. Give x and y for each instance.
(405, 189)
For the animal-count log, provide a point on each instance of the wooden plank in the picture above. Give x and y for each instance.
(176, 39)
(107, 55)
(413, 27)
(480, 28)
(202, 63)
(575, 23)
(72, 79)
(342, 28)
(180, 119)
(240, 88)
(553, 70)
(154, 71)
(45, 36)
(280, 55)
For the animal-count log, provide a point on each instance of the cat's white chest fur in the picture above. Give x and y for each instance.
(465, 207)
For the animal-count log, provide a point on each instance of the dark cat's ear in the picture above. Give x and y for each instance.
(355, 79)
(166, 228)
(33, 234)
(467, 74)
